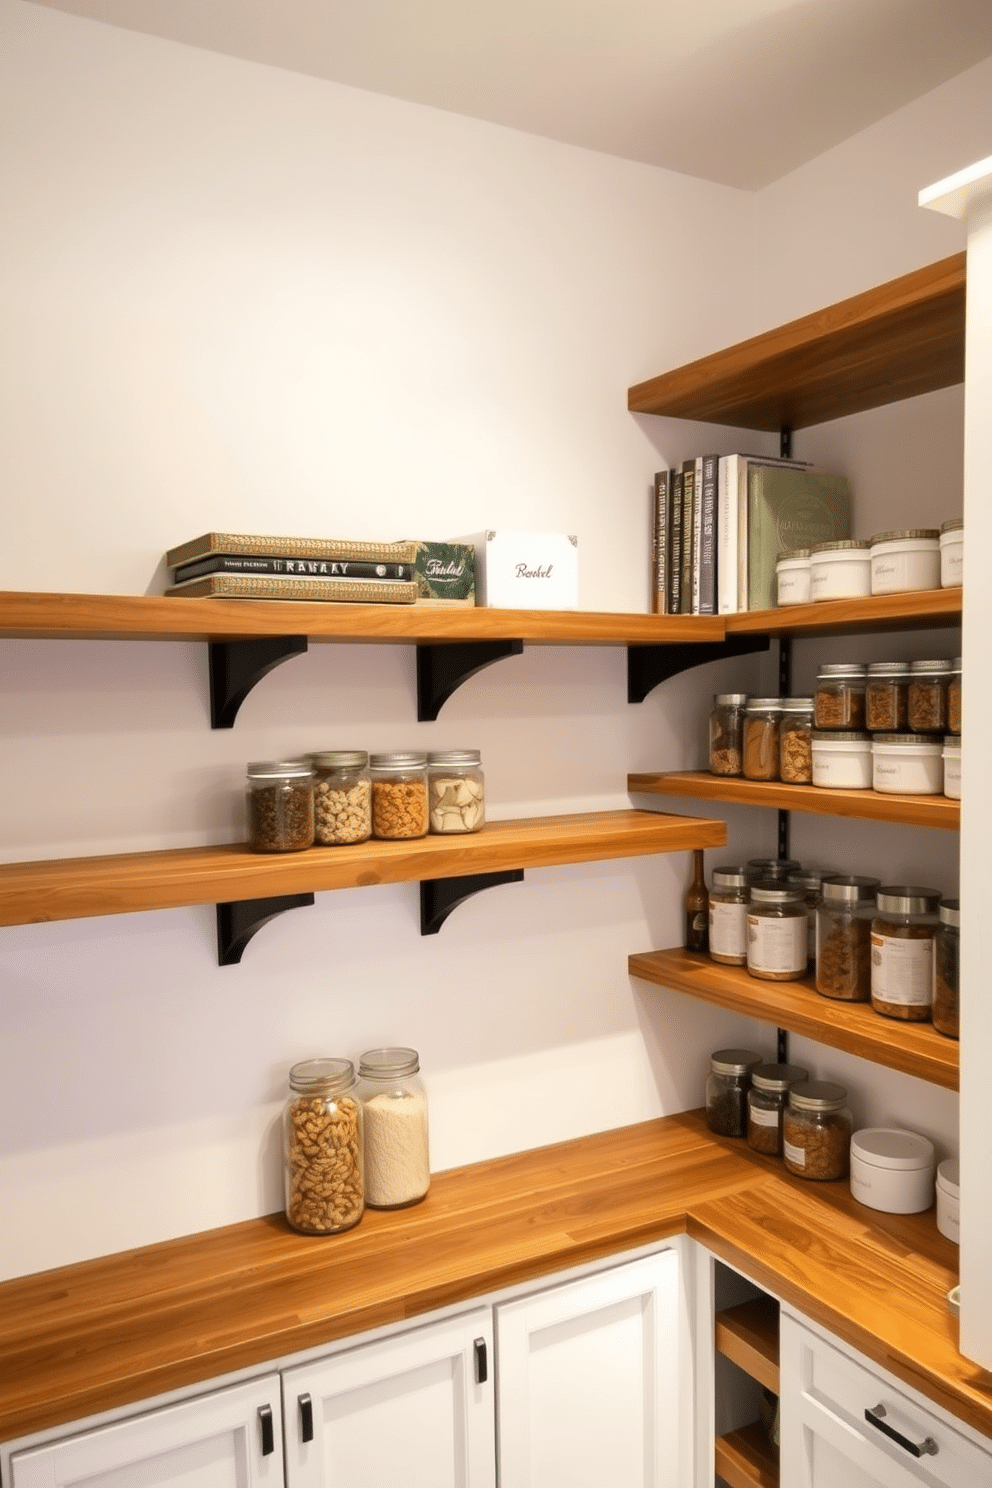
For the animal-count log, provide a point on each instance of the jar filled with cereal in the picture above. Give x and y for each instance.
(322, 1148)
(456, 790)
(928, 683)
(816, 1131)
(279, 800)
(839, 700)
(399, 795)
(796, 741)
(342, 796)
(762, 717)
(727, 733)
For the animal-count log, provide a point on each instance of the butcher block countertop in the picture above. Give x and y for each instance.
(105, 1333)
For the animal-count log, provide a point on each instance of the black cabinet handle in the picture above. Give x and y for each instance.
(306, 1418)
(481, 1361)
(268, 1435)
(926, 1448)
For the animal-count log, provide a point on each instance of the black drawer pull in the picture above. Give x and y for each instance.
(268, 1435)
(481, 1361)
(926, 1448)
(306, 1418)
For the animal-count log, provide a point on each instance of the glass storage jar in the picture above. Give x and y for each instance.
(727, 733)
(839, 700)
(322, 1148)
(776, 932)
(394, 1110)
(729, 895)
(927, 710)
(399, 795)
(946, 969)
(279, 800)
(809, 883)
(456, 790)
(727, 1085)
(887, 697)
(792, 576)
(766, 1102)
(761, 729)
(773, 868)
(795, 746)
(902, 937)
(954, 697)
(905, 559)
(816, 1131)
(843, 937)
(342, 796)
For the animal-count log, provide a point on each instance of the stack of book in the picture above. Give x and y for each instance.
(720, 521)
(245, 566)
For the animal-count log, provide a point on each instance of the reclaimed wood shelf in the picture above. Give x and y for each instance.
(747, 1335)
(898, 340)
(912, 1048)
(924, 609)
(861, 805)
(746, 1458)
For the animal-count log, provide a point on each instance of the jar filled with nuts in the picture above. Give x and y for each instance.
(399, 795)
(839, 700)
(928, 683)
(456, 791)
(795, 745)
(727, 733)
(761, 731)
(816, 1131)
(902, 944)
(342, 796)
(279, 799)
(322, 1148)
(394, 1108)
(766, 1102)
(843, 937)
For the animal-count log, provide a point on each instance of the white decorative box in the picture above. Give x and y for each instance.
(526, 570)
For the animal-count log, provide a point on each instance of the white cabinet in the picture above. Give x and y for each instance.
(226, 1439)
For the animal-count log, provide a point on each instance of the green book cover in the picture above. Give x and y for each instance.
(789, 509)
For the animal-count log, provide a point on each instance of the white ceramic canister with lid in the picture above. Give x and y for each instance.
(949, 1199)
(951, 552)
(905, 559)
(907, 764)
(792, 573)
(892, 1170)
(952, 766)
(842, 760)
(840, 570)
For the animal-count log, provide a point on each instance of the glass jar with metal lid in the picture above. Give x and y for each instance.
(342, 796)
(908, 558)
(279, 800)
(766, 1102)
(776, 932)
(840, 569)
(792, 574)
(456, 790)
(808, 882)
(839, 700)
(946, 969)
(729, 895)
(887, 697)
(394, 1110)
(727, 733)
(399, 795)
(761, 731)
(772, 868)
(322, 1148)
(843, 936)
(795, 741)
(902, 940)
(816, 1131)
(954, 697)
(927, 710)
(727, 1085)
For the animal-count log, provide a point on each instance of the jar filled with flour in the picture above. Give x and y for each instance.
(397, 1157)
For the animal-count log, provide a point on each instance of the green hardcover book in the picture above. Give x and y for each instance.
(789, 509)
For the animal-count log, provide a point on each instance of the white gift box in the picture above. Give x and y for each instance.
(526, 570)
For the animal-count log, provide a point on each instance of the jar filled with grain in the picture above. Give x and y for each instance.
(279, 801)
(843, 937)
(394, 1108)
(954, 697)
(727, 1085)
(456, 790)
(927, 709)
(816, 1131)
(399, 795)
(946, 969)
(322, 1148)
(727, 733)
(887, 697)
(761, 731)
(776, 932)
(796, 741)
(342, 796)
(839, 699)
(729, 896)
(902, 942)
(766, 1102)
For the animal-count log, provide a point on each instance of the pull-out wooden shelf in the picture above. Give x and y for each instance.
(748, 1335)
(914, 1048)
(862, 805)
(746, 1459)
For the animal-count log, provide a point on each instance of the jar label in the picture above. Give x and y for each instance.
(796, 1155)
(902, 969)
(763, 1118)
(728, 929)
(776, 945)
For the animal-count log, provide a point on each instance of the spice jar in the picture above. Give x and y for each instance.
(729, 896)
(951, 552)
(904, 560)
(766, 1102)
(927, 711)
(727, 733)
(279, 799)
(456, 791)
(394, 1108)
(776, 932)
(727, 1085)
(954, 697)
(792, 574)
(946, 969)
(902, 937)
(761, 729)
(774, 868)
(322, 1148)
(796, 741)
(342, 796)
(887, 697)
(816, 1131)
(843, 937)
(399, 795)
(839, 700)
(809, 883)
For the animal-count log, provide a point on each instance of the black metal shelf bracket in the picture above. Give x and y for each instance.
(443, 668)
(235, 667)
(439, 896)
(647, 666)
(238, 921)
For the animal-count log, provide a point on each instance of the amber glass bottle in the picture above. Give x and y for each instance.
(697, 907)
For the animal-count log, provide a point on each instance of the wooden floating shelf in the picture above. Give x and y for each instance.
(748, 1336)
(926, 609)
(862, 805)
(898, 340)
(746, 1458)
(913, 1048)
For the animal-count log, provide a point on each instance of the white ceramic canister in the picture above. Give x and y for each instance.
(840, 570)
(952, 766)
(951, 552)
(842, 760)
(792, 572)
(905, 559)
(907, 764)
(949, 1199)
(892, 1170)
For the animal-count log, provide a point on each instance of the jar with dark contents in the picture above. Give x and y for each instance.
(839, 699)
(902, 941)
(727, 1085)
(776, 933)
(816, 1131)
(727, 733)
(954, 697)
(927, 710)
(946, 969)
(279, 799)
(761, 731)
(843, 937)
(766, 1102)
(887, 697)
(796, 741)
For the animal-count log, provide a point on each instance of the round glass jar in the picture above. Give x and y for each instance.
(322, 1148)
(777, 869)
(816, 1131)
(399, 795)
(766, 1102)
(907, 764)
(841, 760)
(905, 559)
(795, 741)
(792, 576)
(279, 801)
(727, 733)
(394, 1111)
(840, 570)
(954, 697)
(729, 896)
(342, 796)
(952, 766)
(951, 552)
(776, 932)
(456, 791)
(761, 731)
(902, 940)
(843, 937)
(927, 709)
(946, 969)
(727, 1085)
(809, 883)
(839, 700)
(887, 697)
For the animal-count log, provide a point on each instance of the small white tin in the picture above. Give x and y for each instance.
(892, 1170)
(842, 760)
(951, 552)
(904, 560)
(840, 570)
(952, 766)
(792, 572)
(907, 764)
(949, 1199)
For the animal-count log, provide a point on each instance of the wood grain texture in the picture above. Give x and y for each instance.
(748, 1335)
(863, 805)
(746, 1459)
(900, 339)
(914, 1048)
(924, 609)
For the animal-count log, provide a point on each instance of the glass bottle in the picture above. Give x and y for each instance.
(816, 1131)
(322, 1148)
(394, 1107)
(727, 1085)
(761, 730)
(766, 1102)
(902, 939)
(843, 937)
(796, 741)
(776, 933)
(839, 699)
(729, 897)
(946, 969)
(727, 733)
(697, 906)
(279, 800)
(456, 790)
(399, 795)
(342, 796)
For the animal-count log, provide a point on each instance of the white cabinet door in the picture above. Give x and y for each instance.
(414, 1410)
(227, 1439)
(588, 1381)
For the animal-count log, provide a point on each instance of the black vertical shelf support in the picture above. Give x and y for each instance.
(784, 690)
(442, 669)
(239, 920)
(236, 666)
(439, 896)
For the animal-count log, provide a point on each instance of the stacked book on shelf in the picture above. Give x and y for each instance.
(247, 566)
(719, 523)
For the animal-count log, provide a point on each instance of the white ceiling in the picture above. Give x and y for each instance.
(735, 91)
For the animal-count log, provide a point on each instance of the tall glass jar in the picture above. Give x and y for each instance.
(399, 795)
(776, 933)
(766, 1102)
(839, 700)
(394, 1104)
(809, 883)
(902, 940)
(928, 682)
(342, 796)
(456, 790)
(727, 733)
(729, 896)
(946, 969)
(322, 1148)
(279, 800)
(796, 741)
(816, 1131)
(954, 697)
(887, 697)
(761, 729)
(727, 1085)
(843, 937)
